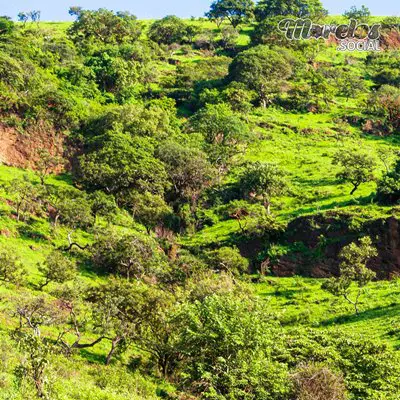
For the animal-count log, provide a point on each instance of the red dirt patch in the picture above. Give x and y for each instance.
(21, 149)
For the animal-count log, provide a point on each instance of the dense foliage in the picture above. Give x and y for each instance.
(165, 166)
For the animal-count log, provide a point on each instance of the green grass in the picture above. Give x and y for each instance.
(303, 145)
(82, 376)
(301, 301)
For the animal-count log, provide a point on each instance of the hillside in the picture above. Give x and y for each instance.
(191, 209)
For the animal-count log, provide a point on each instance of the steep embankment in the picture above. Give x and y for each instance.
(312, 244)
(21, 149)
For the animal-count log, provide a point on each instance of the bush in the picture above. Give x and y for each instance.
(388, 191)
(226, 345)
(318, 382)
(228, 259)
(129, 256)
(370, 369)
(11, 269)
(57, 268)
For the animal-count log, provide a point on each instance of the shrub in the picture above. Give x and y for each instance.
(11, 269)
(318, 382)
(57, 268)
(229, 260)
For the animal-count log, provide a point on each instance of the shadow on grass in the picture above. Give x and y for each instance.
(92, 358)
(390, 311)
(335, 204)
(65, 178)
(317, 182)
(389, 140)
(286, 293)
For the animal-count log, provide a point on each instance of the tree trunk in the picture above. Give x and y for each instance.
(264, 103)
(164, 366)
(354, 189)
(267, 206)
(56, 220)
(114, 345)
(40, 287)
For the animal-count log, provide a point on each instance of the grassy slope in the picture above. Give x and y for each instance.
(301, 301)
(83, 376)
(306, 157)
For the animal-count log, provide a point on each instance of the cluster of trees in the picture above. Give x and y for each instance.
(241, 11)
(138, 155)
(136, 150)
(186, 317)
(120, 66)
(205, 332)
(33, 15)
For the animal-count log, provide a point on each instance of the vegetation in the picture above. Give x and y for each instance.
(353, 269)
(163, 182)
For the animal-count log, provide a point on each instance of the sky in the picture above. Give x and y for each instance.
(57, 10)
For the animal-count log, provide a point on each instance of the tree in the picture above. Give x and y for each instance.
(359, 14)
(37, 350)
(388, 191)
(223, 130)
(6, 25)
(35, 16)
(239, 97)
(351, 85)
(235, 11)
(11, 268)
(103, 26)
(385, 104)
(45, 164)
(76, 318)
(125, 313)
(229, 260)
(263, 180)
(192, 31)
(130, 256)
(147, 208)
(320, 86)
(247, 215)
(229, 36)
(155, 119)
(117, 161)
(117, 309)
(57, 268)
(187, 168)
(25, 196)
(102, 205)
(23, 17)
(75, 11)
(114, 74)
(71, 207)
(298, 8)
(168, 30)
(358, 167)
(266, 32)
(262, 70)
(353, 269)
(160, 331)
